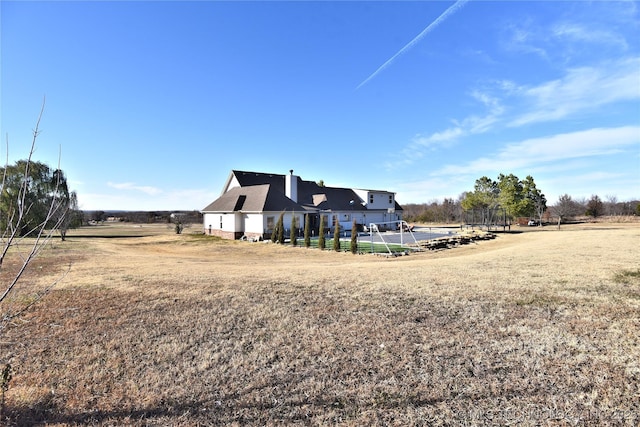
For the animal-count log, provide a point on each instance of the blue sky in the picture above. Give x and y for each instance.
(151, 104)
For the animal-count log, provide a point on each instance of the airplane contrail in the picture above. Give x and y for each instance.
(452, 9)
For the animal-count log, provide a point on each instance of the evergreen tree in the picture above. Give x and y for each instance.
(595, 207)
(354, 237)
(274, 234)
(280, 227)
(321, 242)
(336, 236)
(293, 234)
(307, 230)
(512, 198)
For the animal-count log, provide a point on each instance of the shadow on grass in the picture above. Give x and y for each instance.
(233, 409)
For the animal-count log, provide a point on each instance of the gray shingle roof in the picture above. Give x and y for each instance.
(265, 192)
(254, 198)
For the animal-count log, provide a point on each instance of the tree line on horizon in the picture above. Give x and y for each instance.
(517, 198)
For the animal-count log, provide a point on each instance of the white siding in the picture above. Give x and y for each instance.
(377, 199)
(286, 220)
(255, 223)
(221, 221)
(233, 183)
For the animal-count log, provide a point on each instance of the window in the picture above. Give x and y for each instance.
(220, 222)
(270, 222)
(371, 199)
(390, 199)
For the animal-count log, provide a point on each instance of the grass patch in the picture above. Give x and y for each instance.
(628, 277)
(164, 330)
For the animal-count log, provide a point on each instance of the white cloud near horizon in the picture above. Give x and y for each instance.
(561, 147)
(152, 191)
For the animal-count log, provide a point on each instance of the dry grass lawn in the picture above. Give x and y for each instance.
(152, 328)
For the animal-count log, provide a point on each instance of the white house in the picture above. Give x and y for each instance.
(251, 203)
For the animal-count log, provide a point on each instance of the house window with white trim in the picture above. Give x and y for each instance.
(270, 223)
(390, 199)
(371, 199)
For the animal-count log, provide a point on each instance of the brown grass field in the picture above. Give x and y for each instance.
(152, 328)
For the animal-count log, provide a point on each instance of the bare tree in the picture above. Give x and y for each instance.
(565, 207)
(611, 205)
(24, 245)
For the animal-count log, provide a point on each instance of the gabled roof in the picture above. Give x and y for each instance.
(247, 178)
(254, 198)
(265, 192)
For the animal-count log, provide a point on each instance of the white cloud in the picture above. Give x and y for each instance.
(580, 89)
(573, 32)
(523, 38)
(152, 191)
(535, 151)
(560, 164)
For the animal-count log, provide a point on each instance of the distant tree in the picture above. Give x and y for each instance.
(446, 212)
(538, 200)
(280, 227)
(449, 208)
(612, 207)
(69, 216)
(483, 199)
(517, 198)
(320, 183)
(336, 235)
(45, 197)
(595, 207)
(294, 230)
(177, 221)
(354, 237)
(151, 217)
(512, 198)
(97, 216)
(565, 207)
(321, 240)
(307, 230)
(638, 209)
(484, 195)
